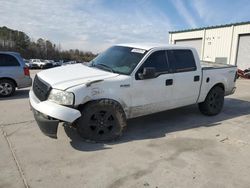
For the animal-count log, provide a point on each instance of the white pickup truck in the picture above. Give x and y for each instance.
(127, 81)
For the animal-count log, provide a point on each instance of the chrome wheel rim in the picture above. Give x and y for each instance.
(5, 88)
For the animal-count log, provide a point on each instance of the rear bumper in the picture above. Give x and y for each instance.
(48, 115)
(230, 92)
(25, 82)
(233, 90)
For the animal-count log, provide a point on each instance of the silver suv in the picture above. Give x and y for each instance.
(13, 73)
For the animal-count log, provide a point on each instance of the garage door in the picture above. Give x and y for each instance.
(195, 43)
(243, 55)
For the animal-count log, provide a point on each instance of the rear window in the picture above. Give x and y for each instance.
(181, 60)
(8, 61)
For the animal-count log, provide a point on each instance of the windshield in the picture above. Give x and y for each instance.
(118, 59)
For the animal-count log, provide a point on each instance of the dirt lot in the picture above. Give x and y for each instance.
(177, 148)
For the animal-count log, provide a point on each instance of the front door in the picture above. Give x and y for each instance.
(152, 95)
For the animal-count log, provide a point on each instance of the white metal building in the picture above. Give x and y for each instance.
(223, 44)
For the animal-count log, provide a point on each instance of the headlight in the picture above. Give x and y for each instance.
(61, 97)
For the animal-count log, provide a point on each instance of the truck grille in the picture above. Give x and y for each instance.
(41, 89)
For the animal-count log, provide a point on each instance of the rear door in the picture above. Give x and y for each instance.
(186, 77)
(152, 95)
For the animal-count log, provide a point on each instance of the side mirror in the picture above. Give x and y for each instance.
(148, 73)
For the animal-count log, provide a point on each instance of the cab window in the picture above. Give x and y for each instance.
(156, 60)
(181, 60)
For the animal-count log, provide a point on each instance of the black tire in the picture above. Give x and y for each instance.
(7, 88)
(101, 120)
(213, 103)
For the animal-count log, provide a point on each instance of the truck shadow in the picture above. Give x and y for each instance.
(160, 124)
(19, 94)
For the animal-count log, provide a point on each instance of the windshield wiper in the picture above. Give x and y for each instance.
(101, 65)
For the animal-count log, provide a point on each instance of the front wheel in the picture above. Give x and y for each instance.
(213, 103)
(101, 120)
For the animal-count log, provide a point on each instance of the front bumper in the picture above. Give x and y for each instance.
(48, 115)
(47, 125)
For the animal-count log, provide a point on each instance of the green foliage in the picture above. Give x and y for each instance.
(13, 40)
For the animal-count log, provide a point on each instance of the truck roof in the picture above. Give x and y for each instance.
(148, 46)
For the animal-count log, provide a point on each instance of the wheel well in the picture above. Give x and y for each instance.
(221, 85)
(80, 107)
(6, 78)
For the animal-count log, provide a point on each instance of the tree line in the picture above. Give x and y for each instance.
(18, 41)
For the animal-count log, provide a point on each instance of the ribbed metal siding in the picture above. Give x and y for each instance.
(195, 43)
(217, 44)
(238, 31)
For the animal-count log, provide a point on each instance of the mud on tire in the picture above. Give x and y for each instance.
(213, 103)
(101, 120)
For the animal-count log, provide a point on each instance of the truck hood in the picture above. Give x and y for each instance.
(68, 76)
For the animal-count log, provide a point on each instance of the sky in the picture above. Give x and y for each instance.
(94, 25)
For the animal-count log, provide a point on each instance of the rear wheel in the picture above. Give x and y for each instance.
(101, 120)
(213, 103)
(7, 88)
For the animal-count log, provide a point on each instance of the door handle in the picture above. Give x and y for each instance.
(169, 82)
(196, 78)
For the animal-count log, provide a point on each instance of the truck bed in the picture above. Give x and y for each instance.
(212, 65)
(213, 73)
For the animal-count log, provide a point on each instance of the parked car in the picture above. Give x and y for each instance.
(124, 82)
(54, 63)
(39, 63)
(34, 63)
(243, 73)
(13, 73)
(69, 62)
(30, 64)
(27, 64)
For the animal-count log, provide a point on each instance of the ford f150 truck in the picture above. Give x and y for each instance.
(127, 81)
